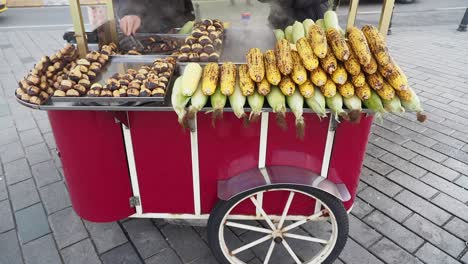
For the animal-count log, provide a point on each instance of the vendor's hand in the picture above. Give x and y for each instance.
(130, 24)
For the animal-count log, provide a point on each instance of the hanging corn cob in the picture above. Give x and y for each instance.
(255, 63)
(393, 105)
(273, 74)
(375, 80)
(287, 86)
(352, 65)
(346, 90)
(179, 100)
(354, 104)
(413, 105)
(338, 44)
(376, 44)
(283, 57)
(228, 78)
(329, 89)
(318, 76)
(297, 31)
(277, 102)
(335, 103)
(210, 78)
(386, 92)
(197, 102)
(307, 89)
(317, 103)
(329, 62)
(371, 67)
(299, 73)
(190, 78)
(246, 84)
(256, 102)
(306, 53)
(296, 104)
(363, 92)
(218, 101)
(339, 76)
(318, 41)
(358, 43)
(263, 87)
(358, 80)
(237, 102)
(374, 103)
(397, 79)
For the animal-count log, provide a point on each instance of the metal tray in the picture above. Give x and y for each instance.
(220, 50)
(119, 64)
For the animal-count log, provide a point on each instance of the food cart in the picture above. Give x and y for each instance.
(286, 196)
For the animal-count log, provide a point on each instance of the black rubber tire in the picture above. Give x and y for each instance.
(335, 205)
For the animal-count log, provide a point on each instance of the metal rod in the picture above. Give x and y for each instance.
(353, 5)
(464, 22)
(80, 34)
(112, 25)
(386, 16)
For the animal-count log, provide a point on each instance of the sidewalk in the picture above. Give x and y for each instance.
(412, 206)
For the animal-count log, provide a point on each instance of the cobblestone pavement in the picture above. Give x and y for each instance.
(412, 206)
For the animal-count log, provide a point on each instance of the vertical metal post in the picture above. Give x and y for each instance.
(464, 22)
(353, 5)
(80, 34)
(111, 23)
(385, 16)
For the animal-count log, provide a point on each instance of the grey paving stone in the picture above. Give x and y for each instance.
(37, 153)
(425, 151)
(445, 186)
(361, 208)
(423, 207)
(44, 125)
(362, 233)
(80, 253)
(121, 254)
(8, 135)
(31, 137)
(432, 255)
(9, 248)
(457, 165)
(208, 259)
(436, 168)
(462, 181)
(67, 227)
(412, 184)
(376, 165)
(389, 134)
(165, 256)
(464, 259)
(6, 216)
(105, 235)
(3, 189)
(403, 165)
(17, 171)
(11, 152)
(393, 148)
(417, 137)
(23, 194)
(45, 173)
(436, 235)
(55, 197)
(451, 152)
(25, 123)
(185, 241)
(6, 122)
(32, 223)
(362, 185)
(380, 182)
(147, 238)
(458, 228)
(392, 253)
(256, 261)
(41, 251)
(50, 140)
(375, 151)
(354, 253)
(385, 204)
(453, 206)
(394, 231)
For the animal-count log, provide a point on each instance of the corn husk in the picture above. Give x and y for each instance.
(179, 101)
(277, 102)
(218, 101)
(354, 104)
(197, 102)
(256, 102)
(414, 105)
(237, 101)
(279, 34)
(393, 105)
(296, 104)
(374, 103)
(335, 103)
(317, 103)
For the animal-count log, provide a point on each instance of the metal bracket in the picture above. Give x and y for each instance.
(134, 201)
(333, 124)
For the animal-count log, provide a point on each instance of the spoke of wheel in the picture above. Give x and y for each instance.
(249, 227)
(262, 212)
(303, 221)
(285, 210)
(306, 238)
(291, 252)
(251, 244)
(270, 251)
(236, 260)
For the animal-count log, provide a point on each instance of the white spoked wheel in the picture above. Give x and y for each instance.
(277, 234)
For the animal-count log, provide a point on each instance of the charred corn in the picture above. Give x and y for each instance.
(309, 60)
(387, 70)
(299, 73)
(405, 95)
(339, 76)
(376, 44)
(228, 78)
(318, 41)
(375, 80)
(338, 44)
(352, 65)
(318, 76)
(386, 92)
(273, 74)
(363, 92)
(287, 86)
(346, 90)
(398, 79)
(255, 63)
(246, 83)
(283, 56)
(307, 89)
(210, 78)
(358, 80)
(371, 67)
(358, 43)
(329, 62)
(329, 89)
(263, 87)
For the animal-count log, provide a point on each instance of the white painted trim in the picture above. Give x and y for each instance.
(195, 167)
(131, 166)
(265, 175)
(263, 140)
(206, 216)
(326, 156)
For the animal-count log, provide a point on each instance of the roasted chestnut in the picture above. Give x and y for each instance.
(59, 93)
(72, 93)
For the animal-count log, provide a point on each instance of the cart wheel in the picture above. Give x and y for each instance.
(278, 237)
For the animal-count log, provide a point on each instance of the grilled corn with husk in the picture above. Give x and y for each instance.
(398, 79)
(374, 103)
(376, 44)
(363, 92)
(354, 104)
(339, 76)
(296, 104)
(178, 100)
(277, 102)
(309, 60)
(307, 89)
(218, 101)
(263, 87)
(283, 57)
(256, 102)
(317, 103)
(329, 62)
(405, 95)
(237, 102)
(376, 81)
(210, 78)
(371, 67)
(318, 76)
(335, 104)
(273, 74)
(387, 70)
(393, 105)
(247, 85)
(346, 89)
(352, 65)
(318, 41)
(414, 105)
(358, 80)
(329, 89)
(358, 43)
(287, 86)
(299, 73)
(386, 92)
(197, 102)
(190, 78)
(256, 65)
(338, 44)
(228, 78)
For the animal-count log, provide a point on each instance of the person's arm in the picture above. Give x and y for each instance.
(130, 15)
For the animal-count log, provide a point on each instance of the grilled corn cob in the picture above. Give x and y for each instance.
(358, 80)
(376, 44)
(371, 67)
(389, 69)
(263, 87)
(255, 63)
(287, 86)
(405, 95)
(299, 73)
(398, 79)
(273, 74)
(363, 92)
(337, 44)
(352, 64)
(329, 62)
(318, 76)
(307, 89)
(346, 90)
(307, 55)
(329, 89)
(339, 76)
(228, 78)
(210, 78)
(318, 41)
(375, 80)
(283, 57)
(386, 92)
(246, 84)
(358, 43)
